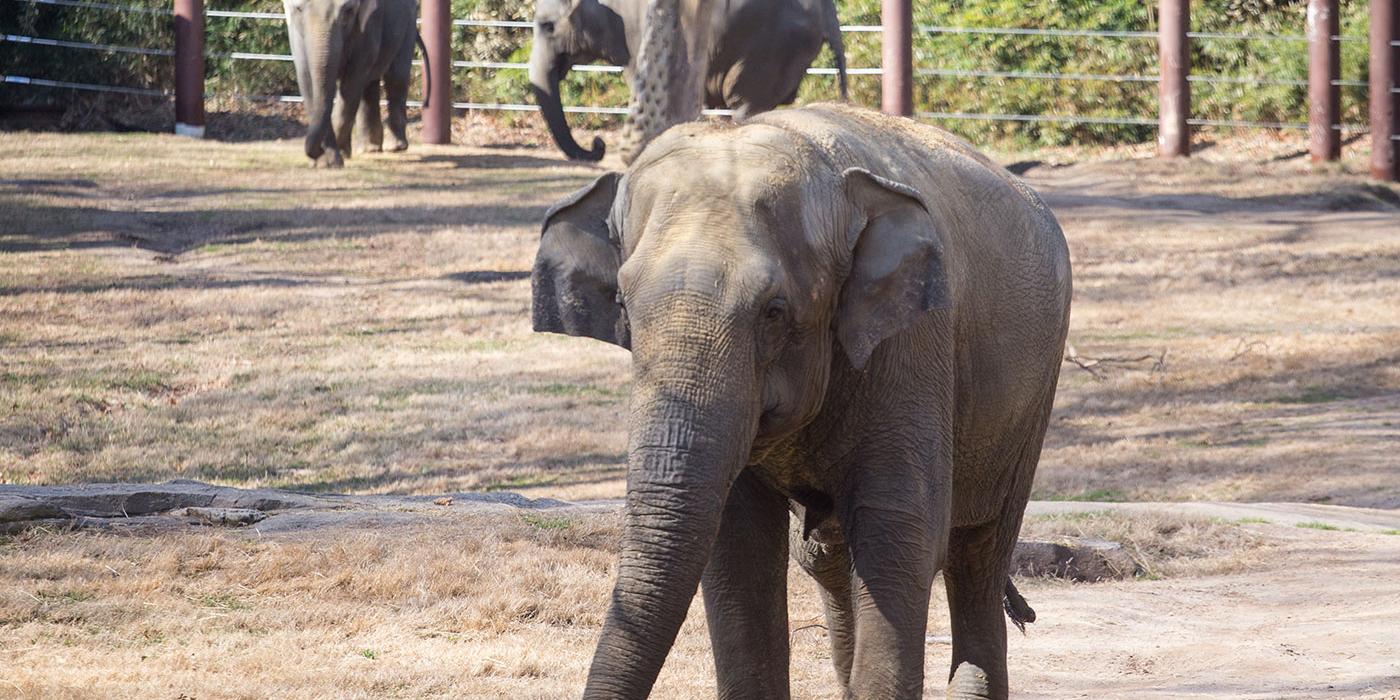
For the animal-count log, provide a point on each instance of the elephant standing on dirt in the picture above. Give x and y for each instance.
(836, 314)
(343, 49)
(757, 53)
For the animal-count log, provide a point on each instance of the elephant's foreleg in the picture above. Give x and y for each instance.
(896, 528)
(745, 591)
(396, 88)
(369, 126)
(824, 557)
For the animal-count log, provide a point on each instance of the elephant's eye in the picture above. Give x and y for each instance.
(776, 310)
(547, 27)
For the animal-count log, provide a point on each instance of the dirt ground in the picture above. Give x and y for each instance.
(218, 311)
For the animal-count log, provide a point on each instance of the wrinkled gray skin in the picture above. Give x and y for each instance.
(761, 52)
(838, 319)
(343, 50)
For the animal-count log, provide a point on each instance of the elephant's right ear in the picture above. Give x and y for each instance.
(574, 283)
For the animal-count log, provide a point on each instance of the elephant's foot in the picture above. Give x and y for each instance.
(331, 158)
(969, 683)
(371, 148)
(398, 145)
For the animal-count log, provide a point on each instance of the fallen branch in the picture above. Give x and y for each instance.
(1242, 348)
(1092, 364)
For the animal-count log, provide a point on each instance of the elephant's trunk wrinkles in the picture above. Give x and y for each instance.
(323, 64)
(546, 72)
(692, 425)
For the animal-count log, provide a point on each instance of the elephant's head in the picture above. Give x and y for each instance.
(320, 31)
(569, 32)
(741, 269)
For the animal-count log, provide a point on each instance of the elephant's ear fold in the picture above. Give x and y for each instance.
(365, 11)
(896, 271)
(574, 282)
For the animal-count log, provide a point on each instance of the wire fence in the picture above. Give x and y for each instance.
(478, 65)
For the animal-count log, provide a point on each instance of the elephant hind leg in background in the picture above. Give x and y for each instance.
(369, 127)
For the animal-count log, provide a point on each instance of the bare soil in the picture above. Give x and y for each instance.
(219, 311)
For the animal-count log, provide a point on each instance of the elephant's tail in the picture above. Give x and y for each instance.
(427, 71)
(832, 30)
(1016, 607)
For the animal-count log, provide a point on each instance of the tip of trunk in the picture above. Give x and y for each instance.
(553, 110)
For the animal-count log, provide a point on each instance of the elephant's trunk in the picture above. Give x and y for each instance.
(693, 421)
(323, 67)
(547, 69)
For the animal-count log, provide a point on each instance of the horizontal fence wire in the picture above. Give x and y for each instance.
(39, 41)
(244, 15)
(42, 82)
(102, 6)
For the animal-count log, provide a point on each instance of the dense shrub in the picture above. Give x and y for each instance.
(941, 51)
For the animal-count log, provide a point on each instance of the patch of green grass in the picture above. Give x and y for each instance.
(546, 523)
(1094, 495)
(369, 654)
(64, 597)
(520, 482)
(1315, 525)
(222, 601)
(1383, 532)
(144, 381)
(1314, 395)
(1079, 516)
(1254, 521)
(562, 389)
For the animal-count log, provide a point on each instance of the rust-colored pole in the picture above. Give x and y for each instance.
(1385, 103)
(437, 39)
(1174, 97)
(1324, 70)
(189, 68)
(897, 57)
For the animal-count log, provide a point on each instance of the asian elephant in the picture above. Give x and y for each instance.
(758, 52)
(343, 50)
(846, 330)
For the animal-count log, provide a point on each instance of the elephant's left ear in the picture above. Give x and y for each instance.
(897, 268)
(574, 283)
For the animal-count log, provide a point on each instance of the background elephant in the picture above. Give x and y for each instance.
(757, 52)
(343, 49)
(836, 314)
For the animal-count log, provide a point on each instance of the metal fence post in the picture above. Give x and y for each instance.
(189, 68)
(1385, 112)
(437, 40)
(897, 57)
(1324, 70)
(1174, 58)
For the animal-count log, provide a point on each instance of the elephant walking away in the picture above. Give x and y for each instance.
(344, 50)
(846, 330)
(758, 52)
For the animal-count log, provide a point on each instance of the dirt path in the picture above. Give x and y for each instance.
(1319, 623)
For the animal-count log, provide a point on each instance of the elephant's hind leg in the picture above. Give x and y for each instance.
(975, 575)
(369, 126)
(745, 591)
(396, 88)
(822, 554)
(980, 594)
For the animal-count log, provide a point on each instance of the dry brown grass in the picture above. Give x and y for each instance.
(481, 606)
(171, 308)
